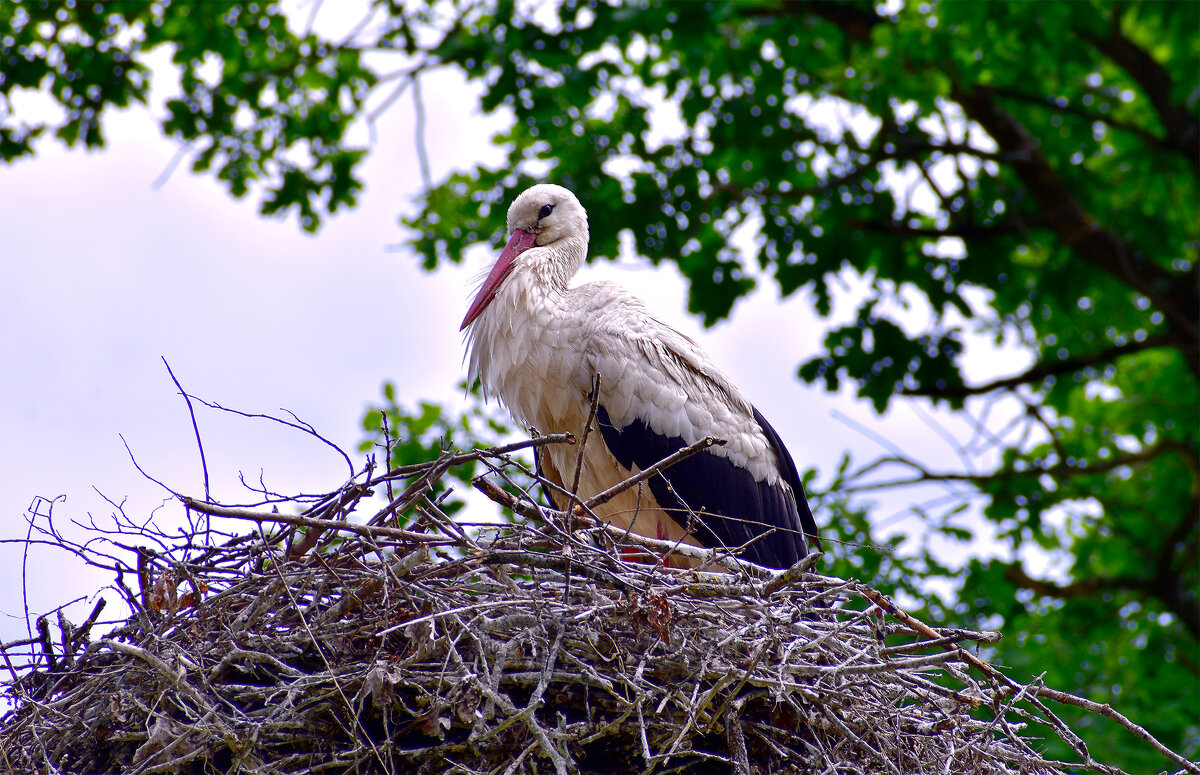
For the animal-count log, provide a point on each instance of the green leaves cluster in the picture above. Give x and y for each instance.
(260, 106)
(400, 436)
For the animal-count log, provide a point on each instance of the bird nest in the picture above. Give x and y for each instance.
(316, 643)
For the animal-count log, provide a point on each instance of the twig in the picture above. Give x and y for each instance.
(1058, 696)
(641, 476)
(587, 431)
(475, 454)
(195, 427)
(791, 575)
(369, 531)
(140, 470)
(296, 423)
(419, 132)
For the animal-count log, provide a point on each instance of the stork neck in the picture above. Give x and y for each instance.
(554, 265)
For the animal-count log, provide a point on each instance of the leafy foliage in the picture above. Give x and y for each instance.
(399, 436)
(1031, 177)
(259, 104)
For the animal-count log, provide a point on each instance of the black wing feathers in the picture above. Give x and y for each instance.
(792, 477)
(720, 503)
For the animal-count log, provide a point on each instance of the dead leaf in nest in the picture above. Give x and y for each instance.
(164, 595)
(467, 706)
(421, 633)
(435, 724)
(117, 708)
(659, 615)
(380, 685)
(189, 599)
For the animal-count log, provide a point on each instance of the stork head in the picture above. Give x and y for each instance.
(548, 235)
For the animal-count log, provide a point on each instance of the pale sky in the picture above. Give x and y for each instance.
(103, 275)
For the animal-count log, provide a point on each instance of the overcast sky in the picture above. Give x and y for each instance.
(103, 275)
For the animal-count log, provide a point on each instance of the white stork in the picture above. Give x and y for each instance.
(535, 343)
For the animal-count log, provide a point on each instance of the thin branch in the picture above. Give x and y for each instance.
(1041, 691)
(706, 557)
(645, 474)
(1183, 131)
(1043, 369)
(180, 154)
(312, 16)
(1088, 587)
(133, 460)
(971, 232)
(299, 425)
(791, 575)
(475, 454)
(1063, 469)
(367, 531)
(422, 151)
(1088, 115)
(854, 21)
(1088, 239)
(195, 427)
(27, 544)
(587, 430)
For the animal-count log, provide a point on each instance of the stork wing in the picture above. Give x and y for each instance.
(659, 393)
(717, 501)
(790, 475)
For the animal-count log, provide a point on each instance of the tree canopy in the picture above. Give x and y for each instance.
(1026, 173)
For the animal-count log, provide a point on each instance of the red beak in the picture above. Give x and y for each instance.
(518, 243)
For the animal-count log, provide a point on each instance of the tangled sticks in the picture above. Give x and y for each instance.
(521, 647)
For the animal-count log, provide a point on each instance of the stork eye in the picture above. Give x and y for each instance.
(545, 211)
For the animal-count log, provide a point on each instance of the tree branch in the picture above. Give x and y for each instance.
(367, 531)
(1041, 691)
(856, 20)
(1042, 370)
(1062, 470)
(1016, 574)
(1091, 116)
(1173, 562)
(1182, 130)
(1174, 294)
(1188, 614)
(640, 476)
